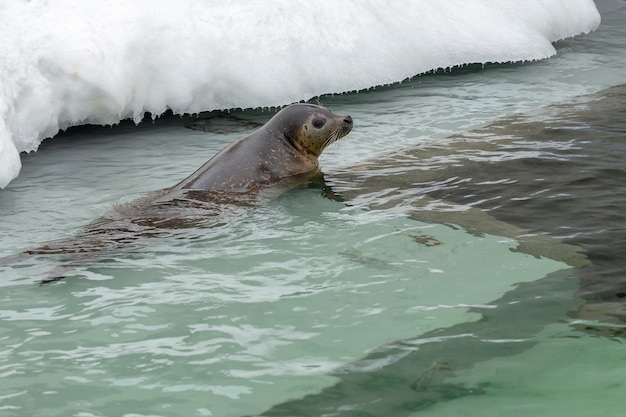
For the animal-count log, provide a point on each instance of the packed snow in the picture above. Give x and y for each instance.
(67, 62)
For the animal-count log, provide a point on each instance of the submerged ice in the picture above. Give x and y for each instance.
(67, 63)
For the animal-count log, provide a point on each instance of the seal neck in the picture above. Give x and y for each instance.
(298, 151)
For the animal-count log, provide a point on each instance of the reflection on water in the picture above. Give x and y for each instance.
(559, 175)
(413, 375)
(559, 171)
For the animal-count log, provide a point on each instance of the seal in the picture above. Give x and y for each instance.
(288, 145)
(281, 153)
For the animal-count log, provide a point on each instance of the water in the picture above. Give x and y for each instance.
(405, 293)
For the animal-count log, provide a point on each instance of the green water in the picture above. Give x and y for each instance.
(233, 324)
(563, 374)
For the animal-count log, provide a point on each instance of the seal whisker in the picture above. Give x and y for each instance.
(334, 145)
(333, 137)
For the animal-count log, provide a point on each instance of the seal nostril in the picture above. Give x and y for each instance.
(347, 120)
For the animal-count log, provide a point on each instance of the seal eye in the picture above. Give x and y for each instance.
(318, 123)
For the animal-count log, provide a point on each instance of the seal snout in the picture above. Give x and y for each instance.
(347, 124)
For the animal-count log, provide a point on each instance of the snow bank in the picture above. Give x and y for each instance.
(67, 62)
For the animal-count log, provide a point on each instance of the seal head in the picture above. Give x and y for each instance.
(310, 128)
